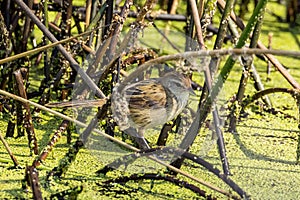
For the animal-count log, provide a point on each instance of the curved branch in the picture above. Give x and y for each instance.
(128, 159)
(294, 92)
(203, 53)
(154, 176)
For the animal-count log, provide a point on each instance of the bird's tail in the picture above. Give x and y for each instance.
(78, 103)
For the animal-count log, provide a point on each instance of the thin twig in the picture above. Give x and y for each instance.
(36, 50)
(262, 93)
(13, 158)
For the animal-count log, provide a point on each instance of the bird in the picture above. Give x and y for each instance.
(149, 103)
(144, 104)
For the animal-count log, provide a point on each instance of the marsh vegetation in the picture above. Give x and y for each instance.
(237, 138)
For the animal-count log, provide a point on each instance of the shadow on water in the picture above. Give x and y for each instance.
(258, 156)
(273, 129)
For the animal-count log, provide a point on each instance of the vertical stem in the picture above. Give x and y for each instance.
(45, 84)
(46, 42)
(108, 17)
(208, 74)
(172, 10)
(218, 84)
(270, 36)
(248, 64)
(253, 44)
(32, 179)
(26, 28)
(32, 142)
(189, 29)
(19, 118)
(88, 13)
(197, 23)
(66, 18)
(10, 130)
(201, 8)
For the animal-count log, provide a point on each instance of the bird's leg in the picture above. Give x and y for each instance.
(138, 137)
(141, 141)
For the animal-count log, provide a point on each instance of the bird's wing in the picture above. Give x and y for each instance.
(146, 99)
(146, 94)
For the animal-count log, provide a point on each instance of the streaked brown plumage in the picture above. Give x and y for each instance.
(151, 102)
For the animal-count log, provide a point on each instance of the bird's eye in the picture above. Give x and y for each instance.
(177, 84)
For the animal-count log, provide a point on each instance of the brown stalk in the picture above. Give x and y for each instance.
(13, 158)
(132, 34)
(270, 36)
(32, 141)
(32, 180)
(172, 11)
(44, 154)
(10, 130)
(196, 18)
(88, 13)
(27, 27)
(116, 29)
(280, 67)
(66, 18)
